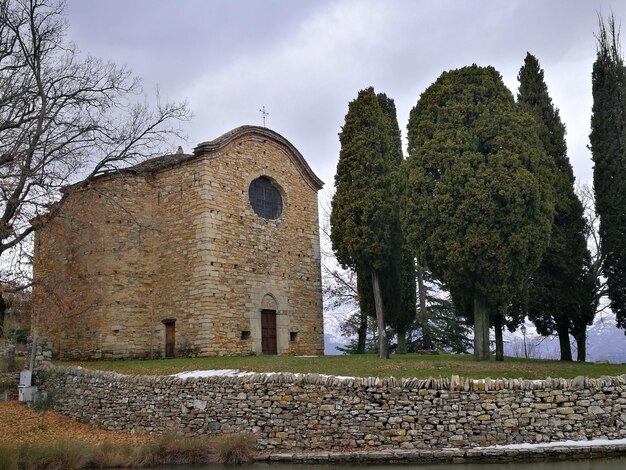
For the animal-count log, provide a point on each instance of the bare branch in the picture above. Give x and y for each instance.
(65, 119)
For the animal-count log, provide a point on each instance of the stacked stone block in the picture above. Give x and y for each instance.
(312, 412)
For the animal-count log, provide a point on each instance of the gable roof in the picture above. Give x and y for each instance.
(209, 148)
(261, 134)
(212, 147)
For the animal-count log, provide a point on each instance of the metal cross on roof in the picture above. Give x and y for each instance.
(264, 113)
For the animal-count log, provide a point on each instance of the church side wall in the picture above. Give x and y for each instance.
(92, 270)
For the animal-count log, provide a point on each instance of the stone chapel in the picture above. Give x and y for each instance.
(211, 253)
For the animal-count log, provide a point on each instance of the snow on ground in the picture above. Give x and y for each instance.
(212, 373)
(590, 443)
(238, 373)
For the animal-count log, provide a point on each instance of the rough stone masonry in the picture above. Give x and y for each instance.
(312, 412)
(211, 253)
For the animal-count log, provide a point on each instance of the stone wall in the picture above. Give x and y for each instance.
(312, 412)
(8, 385)
(43, 353)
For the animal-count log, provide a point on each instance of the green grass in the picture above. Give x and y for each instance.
(410, 365)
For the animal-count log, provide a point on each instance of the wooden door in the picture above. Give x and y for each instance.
(170, 339)
(268, 332)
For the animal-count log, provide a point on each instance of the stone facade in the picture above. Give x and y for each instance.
(173, 248)
(312, 412)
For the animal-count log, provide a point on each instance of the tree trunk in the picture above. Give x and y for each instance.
(564, 344)
(401, 334)
(581, 345)
(3, 308)
(481, 328)
(422, 316)
(33, 349)
(362, 332)
(11, 359)
(380, 316)
(498, 324)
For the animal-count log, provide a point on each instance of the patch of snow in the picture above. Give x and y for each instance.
(238, 373)
(590, 443)
(211, 373)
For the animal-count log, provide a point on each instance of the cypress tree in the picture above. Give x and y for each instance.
(366, 307)
(422, 316)
(364, 207)
(608, 151)
(557, 290)
(398, 279)
(479, 200)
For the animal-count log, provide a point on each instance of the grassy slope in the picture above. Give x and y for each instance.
(410, 365)
(21, 425)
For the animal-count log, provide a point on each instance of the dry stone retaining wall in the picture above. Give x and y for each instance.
(312, 412)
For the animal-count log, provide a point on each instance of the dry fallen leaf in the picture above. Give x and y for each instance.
(21, 425)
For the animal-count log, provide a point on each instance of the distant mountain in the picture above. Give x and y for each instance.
(605, 342)
(332, 332)
(330, 345)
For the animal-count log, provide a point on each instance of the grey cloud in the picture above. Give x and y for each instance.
(305, 60)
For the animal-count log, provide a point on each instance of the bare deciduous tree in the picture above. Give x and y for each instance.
(65, 119)
(594, 243)
(339, 286)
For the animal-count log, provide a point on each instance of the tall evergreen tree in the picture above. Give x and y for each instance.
(608, 150)
(447, 328)
(422, 317)
(479, 199)
(557, 300)
(398, 279)
(366, 307)
(364, 208)
(399, 295)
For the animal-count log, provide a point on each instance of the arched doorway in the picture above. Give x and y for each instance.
(268, 325)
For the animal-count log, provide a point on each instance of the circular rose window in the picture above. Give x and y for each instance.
(265, 198)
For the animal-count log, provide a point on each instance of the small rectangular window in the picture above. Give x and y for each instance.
(245, 335)
(293, 336)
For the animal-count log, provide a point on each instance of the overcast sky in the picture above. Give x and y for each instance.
(305, 60)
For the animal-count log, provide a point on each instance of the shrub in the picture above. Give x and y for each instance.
(46, 400)
(177, 449)
(5, 386)
(125, 455)
(9, 458)
(60, 455)
(233, 449)
(17, 335)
